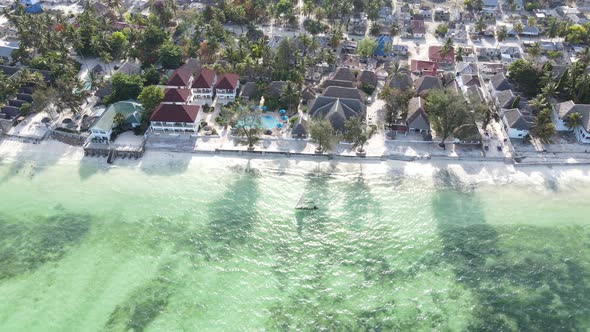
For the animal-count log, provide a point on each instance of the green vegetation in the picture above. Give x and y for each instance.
(150, 97)
(290, 97)
(321, 131)
(151, 76)
(441, 30)
(248, 123)
(447, 113)
(543, 127)
(367, 47)
(367, 88)
(170, 56)
(396, 103)
(124, 87)
(358, 133)
(527, 76)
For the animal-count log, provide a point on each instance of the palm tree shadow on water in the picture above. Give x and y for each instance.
(307, 267)
(539, 290)
(234, 215)
(231, 222)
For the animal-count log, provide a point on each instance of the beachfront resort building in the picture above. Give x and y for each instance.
(417, 120)
(337, 110)
(102, 129)
(175, 118)
(516, 124)
(226, 88)
(180, 79)
(560, 114)
(203, 84)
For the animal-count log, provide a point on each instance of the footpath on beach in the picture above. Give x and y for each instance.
(14, 146)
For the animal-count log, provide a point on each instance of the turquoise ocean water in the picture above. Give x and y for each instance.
(214, 244)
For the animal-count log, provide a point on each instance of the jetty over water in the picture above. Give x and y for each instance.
(113, 151)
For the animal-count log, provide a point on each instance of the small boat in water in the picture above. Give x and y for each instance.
(305, 204)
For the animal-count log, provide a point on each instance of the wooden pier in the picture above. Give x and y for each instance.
(113, 151)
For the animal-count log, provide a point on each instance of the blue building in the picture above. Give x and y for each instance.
(381, 42)
(32, 6)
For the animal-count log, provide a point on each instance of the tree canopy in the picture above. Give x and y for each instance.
(367, 47)
(357, 132)
(447, 112)
(321, 131)
(125, 87)
(526, 74)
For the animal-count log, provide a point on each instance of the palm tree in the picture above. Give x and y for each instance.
(447, 48)
(394, 30)
(501, 34)
(290, 97)
(480, 24)
(551, 28)
(335, 38)
(550, 90)
(307, 8)
(23, 77)
(8, 88)
(538, 103)
(96, 80)
(584, 56)
(573, 120)
(518, 28)
(534, 50)
(395, 70)
(460, 54)
(118, 119)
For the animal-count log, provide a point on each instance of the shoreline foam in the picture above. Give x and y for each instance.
(470, 171)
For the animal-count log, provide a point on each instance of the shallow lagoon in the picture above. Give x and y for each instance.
(215, 244)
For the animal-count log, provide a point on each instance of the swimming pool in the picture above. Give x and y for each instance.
(268, 121)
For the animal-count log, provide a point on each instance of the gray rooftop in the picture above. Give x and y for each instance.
(499, 82)
(505, 98)
(337, 110)
(339, 92)
(401, 81)
(516, 120)
(343, 74)
(425, 83)
(566, 108)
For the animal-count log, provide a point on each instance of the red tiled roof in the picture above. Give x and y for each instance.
(418, 26)
(175, 113)
(227, 81)
(426, 67)
(205, 79)
(180, 77)
(435, 55)
(176, 95)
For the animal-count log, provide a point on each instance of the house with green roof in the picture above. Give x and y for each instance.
(102, 129)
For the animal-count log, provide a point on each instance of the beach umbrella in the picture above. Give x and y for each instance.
(264, 108)
(279, 125)
(46, 120)
(284, 118)
(282, 111)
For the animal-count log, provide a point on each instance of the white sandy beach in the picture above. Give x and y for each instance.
(470, 172)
